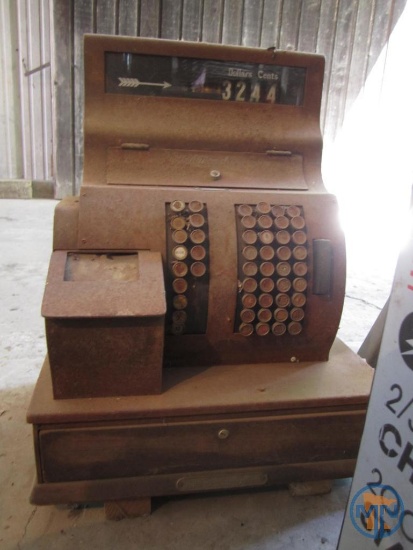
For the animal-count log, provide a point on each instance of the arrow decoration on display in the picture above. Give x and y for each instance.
(134, 83)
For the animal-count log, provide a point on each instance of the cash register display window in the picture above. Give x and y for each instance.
(191, 78)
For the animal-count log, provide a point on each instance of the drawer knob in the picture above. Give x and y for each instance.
(223, 434)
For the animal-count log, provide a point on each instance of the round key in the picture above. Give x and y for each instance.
(297, 314)
(178, 222)
(179, 236)
(298, 299)
(297, 222)
(280, 315)
(249, 301)
(283, 284)
(265, 300)
(179, 269)
(198, 252)
(246, 329)
(265, 221)
(197, 236)
(283, 269)
(283, 253)
(294, 328)
(299, 237)
(179, 317)
(249, 237)
(282, 237)
(264, 315)
(266, 237)
(248, 222)
(281, 222)
(180, 301)
(262, 329)
(250, 269)
(177, 329)
(244, 210)
(247, 316)
(300, 252)
(293, 211)
(196, 220)
(195, 206)
(263, 208)
(267, 252)
(198, 269)
(179, 285)
(282, 300)
(266, 285)
(277, 211)
(299, 284)
(278, 329)
(177, 206)
(267, 269)
(249, 285)
(250, 253)
(180, 252)
(300, 269)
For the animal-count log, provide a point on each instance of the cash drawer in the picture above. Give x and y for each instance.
(104, 452)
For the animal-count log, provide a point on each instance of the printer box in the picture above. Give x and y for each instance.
(104, 315)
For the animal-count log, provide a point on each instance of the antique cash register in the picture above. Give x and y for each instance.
(196, 283)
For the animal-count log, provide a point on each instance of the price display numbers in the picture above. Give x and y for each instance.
(193, 78)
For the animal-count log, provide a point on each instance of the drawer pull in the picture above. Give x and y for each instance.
(223, 434)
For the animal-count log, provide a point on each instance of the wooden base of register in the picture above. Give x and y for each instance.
(215, 428)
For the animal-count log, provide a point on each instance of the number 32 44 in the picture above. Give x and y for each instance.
(239, 91)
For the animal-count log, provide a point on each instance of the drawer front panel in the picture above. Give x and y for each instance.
(86, 453)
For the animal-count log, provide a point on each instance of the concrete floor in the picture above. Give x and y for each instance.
(269, 519)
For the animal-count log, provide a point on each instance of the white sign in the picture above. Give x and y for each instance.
(379, 512)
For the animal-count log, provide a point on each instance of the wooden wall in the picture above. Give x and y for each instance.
(26, 101)
(351, 34)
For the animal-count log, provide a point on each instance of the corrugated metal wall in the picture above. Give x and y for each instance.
(350, 33)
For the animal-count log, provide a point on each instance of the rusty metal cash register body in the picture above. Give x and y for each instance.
(196, 284)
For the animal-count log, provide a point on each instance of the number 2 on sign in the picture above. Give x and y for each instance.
(399, 397)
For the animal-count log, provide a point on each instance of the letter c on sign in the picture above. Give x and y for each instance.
(383, 432)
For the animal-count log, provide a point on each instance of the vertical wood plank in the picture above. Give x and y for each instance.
(291, 16)
(46, 91)
(232, 23)
(10, 146)
(309, 23)
(380, 30)
(192, 20)
(360, 51)
(150, 20)
(62, 62)
(83, 23)
(271, 23)
(33, 79)
(171, 19)
(327, 31)
(342, 53)
(24, 90)
(128, 17)
(212, 21)
(106, 17)
(252, 23)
